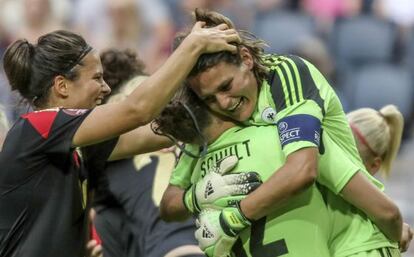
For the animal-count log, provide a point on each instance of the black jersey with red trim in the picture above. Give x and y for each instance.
(41, 210)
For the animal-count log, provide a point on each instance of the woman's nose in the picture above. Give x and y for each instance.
(224, 101)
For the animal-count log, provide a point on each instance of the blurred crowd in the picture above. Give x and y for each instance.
(365, 48)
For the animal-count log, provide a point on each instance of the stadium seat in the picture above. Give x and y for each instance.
(409, 56)
(381, 84)
(283, 30)
(363, 39)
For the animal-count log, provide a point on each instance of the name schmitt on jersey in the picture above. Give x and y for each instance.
(300, 127)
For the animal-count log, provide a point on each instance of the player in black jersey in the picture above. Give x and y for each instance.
(128, 219)
(48, 153)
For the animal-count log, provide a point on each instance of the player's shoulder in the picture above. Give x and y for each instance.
(41, 120)
(44, 120)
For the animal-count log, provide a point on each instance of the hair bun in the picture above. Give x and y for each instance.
(17, 66)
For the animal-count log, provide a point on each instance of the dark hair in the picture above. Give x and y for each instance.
(120, 66)
(248, 40)
(31, 69)
(176, 121)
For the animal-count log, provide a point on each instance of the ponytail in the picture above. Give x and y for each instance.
(31, 69)
(17, 66)
(395, 122)
(381, 130)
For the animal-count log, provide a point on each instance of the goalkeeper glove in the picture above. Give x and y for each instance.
(218, 189)
(219, 230)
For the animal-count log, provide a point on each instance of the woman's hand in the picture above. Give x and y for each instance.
(213, 39)
(93, 249)
(406, 237)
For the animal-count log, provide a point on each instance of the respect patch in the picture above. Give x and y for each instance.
(300, 127)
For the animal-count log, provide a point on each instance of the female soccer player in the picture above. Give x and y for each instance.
(290, 92)
(378, 138)
(127, 217)
(41, 172)
(297, 229)
(347, 233)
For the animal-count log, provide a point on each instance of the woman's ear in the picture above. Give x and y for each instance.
(60, 86)
(246, 57)
(375, 165)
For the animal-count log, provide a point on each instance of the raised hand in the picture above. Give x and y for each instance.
(214, 39)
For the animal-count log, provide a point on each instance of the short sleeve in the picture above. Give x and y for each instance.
(181, 175)
(298, 102)
(53, 132)
(336, 168)
(95, 158)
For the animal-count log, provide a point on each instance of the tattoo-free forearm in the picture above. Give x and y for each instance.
(365, 196)
(172, 207)
(298, 173)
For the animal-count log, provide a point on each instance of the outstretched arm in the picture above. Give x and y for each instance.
(138, 141)
(147, 100)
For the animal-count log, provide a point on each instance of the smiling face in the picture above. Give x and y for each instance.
(89, 88)
(228, 89)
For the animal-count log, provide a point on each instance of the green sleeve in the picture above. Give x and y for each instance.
(296, 89)
(181, 175)
(334, 166)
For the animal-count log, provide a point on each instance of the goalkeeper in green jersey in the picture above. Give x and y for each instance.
(257, 149)
(299, 229)
(288, 91)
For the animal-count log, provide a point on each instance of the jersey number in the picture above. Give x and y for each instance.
(257, 248)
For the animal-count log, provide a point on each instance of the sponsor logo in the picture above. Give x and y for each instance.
(317, 137)
(289, 134)
(207, 233)
(283, 126)
(269, 115)
(209, 190)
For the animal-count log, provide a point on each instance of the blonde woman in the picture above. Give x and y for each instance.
(378, 138)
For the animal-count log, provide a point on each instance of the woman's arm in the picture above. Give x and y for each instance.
(138, 141)
(406, 237)
(365, 196)
(298, 173)
(147, 100)
(172, 207)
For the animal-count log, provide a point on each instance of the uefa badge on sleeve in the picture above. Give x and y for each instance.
(269, 115)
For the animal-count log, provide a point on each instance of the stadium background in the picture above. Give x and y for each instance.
(364, 47)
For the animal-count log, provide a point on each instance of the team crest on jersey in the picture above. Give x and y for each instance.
(74, 112)
(269, 115)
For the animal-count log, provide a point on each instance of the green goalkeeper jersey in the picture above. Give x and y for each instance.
(299, 100)
(298, 229)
